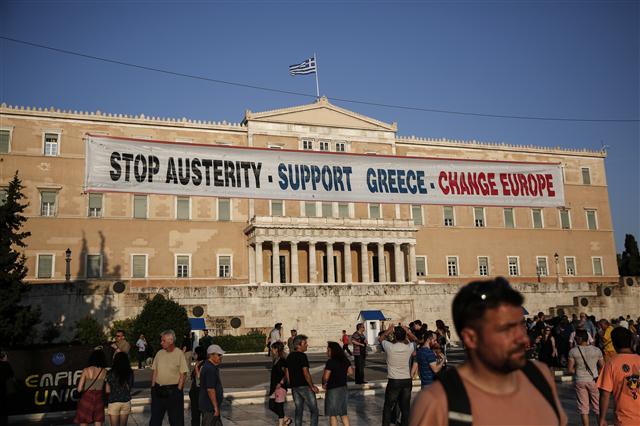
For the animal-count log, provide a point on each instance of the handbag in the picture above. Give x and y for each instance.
(593, 376)
(280, 394)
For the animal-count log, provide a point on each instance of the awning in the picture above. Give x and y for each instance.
(197, 324)
(372, 315)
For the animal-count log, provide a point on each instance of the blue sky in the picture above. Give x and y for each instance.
(526, 58)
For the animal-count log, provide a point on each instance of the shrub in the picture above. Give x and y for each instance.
(160, 314)
(89, 331)
(252, 342)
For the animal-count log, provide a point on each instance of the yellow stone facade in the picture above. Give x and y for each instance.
(47, 148)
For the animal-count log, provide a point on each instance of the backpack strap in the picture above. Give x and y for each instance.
(538, 380)
(457, 398)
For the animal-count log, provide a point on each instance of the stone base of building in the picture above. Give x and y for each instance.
(319, 311)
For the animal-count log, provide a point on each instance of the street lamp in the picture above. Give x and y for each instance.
(557, 259)
(67, 258)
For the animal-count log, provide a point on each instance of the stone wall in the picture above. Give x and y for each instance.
(320, 311)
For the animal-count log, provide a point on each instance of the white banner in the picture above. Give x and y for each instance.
(140, 166)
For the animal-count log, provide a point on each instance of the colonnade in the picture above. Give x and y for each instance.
(403, 256)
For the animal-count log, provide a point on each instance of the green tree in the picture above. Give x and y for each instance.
(160, 314)
(16, 321)
(89, 331)
(629, 262)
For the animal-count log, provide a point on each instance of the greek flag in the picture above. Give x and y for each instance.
(306, 67)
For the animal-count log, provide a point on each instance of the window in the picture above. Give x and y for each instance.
(597, 265)
(182, 265)
(592, 222)
(307, 144)
(478, 216)
(183, 208)
(140, 206)
(586, 176)
(452, 266)
(51, 144)
(277, 208)
(421, 266)
(95, 205)
(139, 265)
(341, 147)
(541, 266)
(416, 214)
(536, 214)
(224, 209)
(570, 265)
(3, 195)
(45, 266)
(448, 216)
(310, 208)
(565, 219)
(327, 210)
(325, 146)
(509, 220)
(5, 138)
(374, 211)
(224, 266)
(48, 203)
(483, 266)
(94, 266)
(514, 268)
(343, 210)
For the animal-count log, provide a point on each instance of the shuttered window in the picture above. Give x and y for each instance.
(4, 141)
(478, 215)
(565, 220)
(94, 265)
(183, 208)
(374, 211)
(483, 266)
(343, 210)
(416, 214)
(45, 266)
(448, 216)
(509, 221)
(140, 206)
(182, 266)
(586, 176)
(597, 265)
(310, 209)
(592, 223)
(224, 266)
(327, 210)
(95, 205)
(421, 266)
(537, 218)
(277, 208)
(224, 209)
(139, 269)
(48, 203)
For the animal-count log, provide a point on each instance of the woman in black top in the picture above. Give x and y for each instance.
(334, 381)
(278, 386)
(119, 383)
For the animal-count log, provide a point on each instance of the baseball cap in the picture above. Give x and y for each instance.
(214, 349)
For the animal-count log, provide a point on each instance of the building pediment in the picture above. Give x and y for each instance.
(320, 113)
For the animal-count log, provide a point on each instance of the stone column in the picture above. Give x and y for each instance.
(412, 263)
(364, 262)
(275, 261)
(398, 256)
(259, 267)
(381, 264)
(330, 269)
(294, 263)
(312, 261)
(346, 254)
(252, 264)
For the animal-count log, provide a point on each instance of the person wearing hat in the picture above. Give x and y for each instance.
(211, 391)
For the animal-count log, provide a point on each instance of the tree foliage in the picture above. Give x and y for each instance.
(128, 326)
(160, 314)
(16, 321)
(90, 332)
(629, 261)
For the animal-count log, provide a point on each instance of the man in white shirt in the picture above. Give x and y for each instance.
(398, 389)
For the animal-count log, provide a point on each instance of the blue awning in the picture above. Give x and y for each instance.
(372, 315)
(197, 324)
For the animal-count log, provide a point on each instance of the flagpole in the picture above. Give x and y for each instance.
(317, 85)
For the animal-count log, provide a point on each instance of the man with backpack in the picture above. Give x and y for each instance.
(497, 384)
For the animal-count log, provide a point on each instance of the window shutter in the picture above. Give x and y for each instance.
(224, 209)
(183, 208)
(140, 207)
(95, 201)
(139, 267)
(48, 197)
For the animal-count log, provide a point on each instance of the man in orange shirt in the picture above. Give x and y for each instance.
(620, 377)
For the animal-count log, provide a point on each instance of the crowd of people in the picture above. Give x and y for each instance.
(499, 383)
